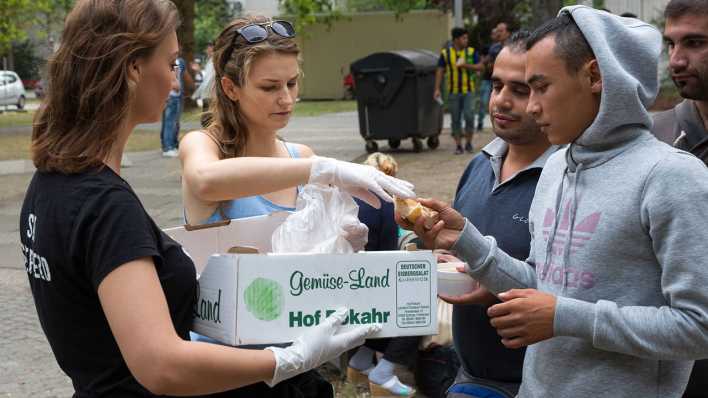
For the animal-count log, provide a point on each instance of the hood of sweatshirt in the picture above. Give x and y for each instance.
(627, 51)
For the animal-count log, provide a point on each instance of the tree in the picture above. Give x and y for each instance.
(210, 19)
(26, 62)
(398, 6)
(51, 16)
(185, 33)
(15, 17)
(308, 12)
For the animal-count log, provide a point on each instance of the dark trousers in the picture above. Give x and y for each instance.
(698, 383)
(307, 385)
(399, 350)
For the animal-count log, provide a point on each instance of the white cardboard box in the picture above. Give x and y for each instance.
(273, 298)
(202, 241)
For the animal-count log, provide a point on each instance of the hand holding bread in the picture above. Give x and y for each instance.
(411, 210)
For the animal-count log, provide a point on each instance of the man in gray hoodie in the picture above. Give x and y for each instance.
(616, 305)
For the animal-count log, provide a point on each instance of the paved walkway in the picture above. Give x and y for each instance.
(27, 366)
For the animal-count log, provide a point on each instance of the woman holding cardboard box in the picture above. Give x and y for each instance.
(237, 166)
(114, 294)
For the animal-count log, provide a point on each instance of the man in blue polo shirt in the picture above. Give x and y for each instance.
(495, 192)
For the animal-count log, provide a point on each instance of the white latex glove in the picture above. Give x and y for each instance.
(355, 232)
(317, 346)
(359, 180)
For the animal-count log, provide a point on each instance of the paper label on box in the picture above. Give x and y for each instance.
(413, 310)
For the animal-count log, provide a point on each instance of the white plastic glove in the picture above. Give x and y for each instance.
(355, 232)
(359, 180)
(317, 346)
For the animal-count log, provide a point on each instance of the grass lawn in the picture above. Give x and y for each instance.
(16, 145)
(14, 119)
(17, 126)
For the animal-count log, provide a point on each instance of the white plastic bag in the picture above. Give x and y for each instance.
(323, 222)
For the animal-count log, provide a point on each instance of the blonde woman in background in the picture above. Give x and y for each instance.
(399, 352)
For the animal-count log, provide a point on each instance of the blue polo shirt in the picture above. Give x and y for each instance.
(500, 210)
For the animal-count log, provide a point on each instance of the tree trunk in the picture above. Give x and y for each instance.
(544, 10)
(185, 35)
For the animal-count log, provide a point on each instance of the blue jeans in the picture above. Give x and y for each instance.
(483, 94)
(466, 386)
(461, 106)
(170, 123)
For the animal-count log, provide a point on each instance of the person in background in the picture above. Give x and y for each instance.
(458, 62)
(399, 352)
(499, 35)
(169, 132)
(686, 125)
(206, 88)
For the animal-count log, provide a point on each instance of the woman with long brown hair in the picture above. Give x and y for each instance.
(114, 294)
(238, 166)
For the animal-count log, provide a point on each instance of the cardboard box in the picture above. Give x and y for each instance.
(273, 298)
(202, 241)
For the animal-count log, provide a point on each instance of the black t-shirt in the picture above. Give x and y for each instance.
(75, 229)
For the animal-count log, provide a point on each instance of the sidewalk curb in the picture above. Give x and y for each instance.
(25, 166)
(20, 166)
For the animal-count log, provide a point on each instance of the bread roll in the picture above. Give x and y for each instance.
(411, 210)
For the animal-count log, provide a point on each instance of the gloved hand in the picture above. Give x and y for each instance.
(355, 232)
(359, 180)
(317, 346)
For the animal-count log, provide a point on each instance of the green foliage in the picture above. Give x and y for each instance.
(26, 62)
(598, 3)
(398, 6)
(211, 16)
(15, 17)
(308, 12)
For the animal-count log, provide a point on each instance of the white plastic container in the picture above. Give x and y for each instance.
(452, 282)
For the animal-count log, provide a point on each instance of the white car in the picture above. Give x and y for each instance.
(12, 91)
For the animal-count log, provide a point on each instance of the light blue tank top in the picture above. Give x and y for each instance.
(247, 207)
(251, 205)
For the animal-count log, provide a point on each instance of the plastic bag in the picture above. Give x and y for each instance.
(323, 220)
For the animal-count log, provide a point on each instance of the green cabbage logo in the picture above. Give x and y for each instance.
(264, 299)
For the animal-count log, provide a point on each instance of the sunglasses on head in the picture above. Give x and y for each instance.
(258, 32)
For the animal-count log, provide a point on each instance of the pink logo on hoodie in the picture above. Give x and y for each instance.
(581, 234)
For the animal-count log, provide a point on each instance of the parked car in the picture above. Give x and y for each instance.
(12, 91)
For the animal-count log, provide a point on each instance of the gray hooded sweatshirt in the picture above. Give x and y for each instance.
(619, 236)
